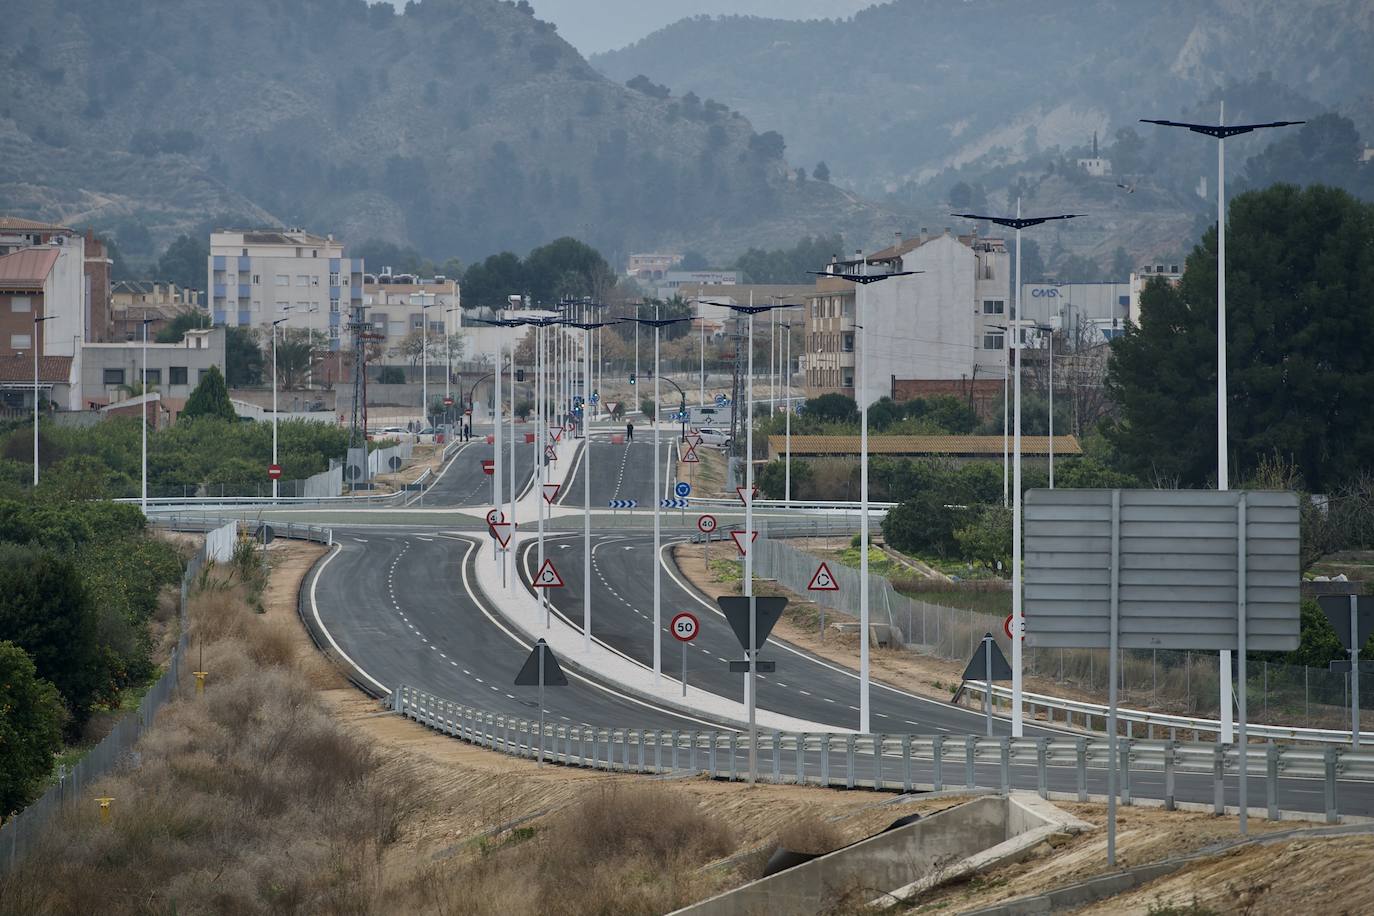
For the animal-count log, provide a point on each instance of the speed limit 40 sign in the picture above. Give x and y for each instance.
(706, 524)
(684, 627)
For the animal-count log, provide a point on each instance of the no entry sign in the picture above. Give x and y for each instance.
(274, 471)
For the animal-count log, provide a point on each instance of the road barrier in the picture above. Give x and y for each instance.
(1059, 768)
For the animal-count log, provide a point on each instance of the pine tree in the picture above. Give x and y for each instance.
(210, 399)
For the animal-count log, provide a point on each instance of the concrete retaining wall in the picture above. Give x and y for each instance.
(220, 543)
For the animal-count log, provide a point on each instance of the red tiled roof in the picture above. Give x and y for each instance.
(53, 369)
(19, 223)
(922, 445)
(27, 268)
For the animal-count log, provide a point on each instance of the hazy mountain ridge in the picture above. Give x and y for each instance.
(462, 126)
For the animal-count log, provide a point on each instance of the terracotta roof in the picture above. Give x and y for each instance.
(921, 445)
(27, 268)
(19, 223)
(54, 369)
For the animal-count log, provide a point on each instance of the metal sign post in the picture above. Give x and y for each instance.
(541, 669)
(684, 628)
(1353, 635)
(993, 666)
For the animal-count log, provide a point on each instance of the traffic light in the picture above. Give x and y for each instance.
(632, 378)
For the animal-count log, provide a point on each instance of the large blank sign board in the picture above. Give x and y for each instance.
(1177, 563)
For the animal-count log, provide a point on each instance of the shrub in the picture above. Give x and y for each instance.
(31, 719)
(392, 375)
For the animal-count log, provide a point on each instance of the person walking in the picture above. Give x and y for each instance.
(630, 432)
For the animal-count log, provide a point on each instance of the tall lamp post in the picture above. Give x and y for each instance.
(448, 362)
(862, 278)
(752, 652)
(37, 326)
(1048, 332)
(657, 324)
(1017, 222)
(143, 386)
(424, 360)
(1220, 131)
(275, 482)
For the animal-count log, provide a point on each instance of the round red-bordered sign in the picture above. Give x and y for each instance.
(274, 471)
(706, 524)
(495, 516)
(685, 626)
(1006, 626)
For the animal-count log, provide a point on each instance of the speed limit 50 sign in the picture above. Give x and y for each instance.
(685, 626)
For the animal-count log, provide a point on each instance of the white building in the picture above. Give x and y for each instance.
(1169, 273)
(1067, 306)
(945, 323)
(258, 276)
(398, 304)
(674, 280)
(47, 282)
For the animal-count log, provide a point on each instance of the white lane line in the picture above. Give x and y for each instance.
(315, 612)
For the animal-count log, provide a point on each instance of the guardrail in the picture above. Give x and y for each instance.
(1032, 703)
(201, 523)
(896, 762)
(796, 504)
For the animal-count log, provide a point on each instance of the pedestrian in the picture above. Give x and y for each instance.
(630, 432)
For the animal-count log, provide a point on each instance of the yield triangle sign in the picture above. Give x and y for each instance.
(556, 433)
(529, 675)
(978, 665)
(691, 456)
(736, 611)
(823, 580)
(500, 531)
(548, 577)
(551, 492)
(739, 491)
(696, 440)
(738, 538)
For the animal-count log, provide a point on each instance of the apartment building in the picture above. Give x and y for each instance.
(258, 276)
(17, 233)
(42, 310)
(110, 370)
(945, 322)
(1169, 273)
(133, 300)
(398, 304)
(1102, 308)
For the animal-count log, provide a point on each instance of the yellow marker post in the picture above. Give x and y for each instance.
(200, 681)
(105, 808)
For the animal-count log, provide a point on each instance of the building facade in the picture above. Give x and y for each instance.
(110, 371)
(1169, 273)
(946, 321)
(17, 234)
(673, 281)
(398, 304)
(651, 266)
(1101, 308)
(256, 277)
(133, 300)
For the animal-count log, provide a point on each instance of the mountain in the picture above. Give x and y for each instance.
(911, 97)
(459, 126)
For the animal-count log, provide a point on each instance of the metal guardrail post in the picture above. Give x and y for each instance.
(970, 751)
(658, 750)
(505, 735)
(1169, 754)
(596, 757)
(641, 750)
(1125, 750)
(849, 761)
(1041, 779)
(1218, 774)
(801, 758)
(1081, 754)
(825, 759)
(582, 745)
(1004, 764)
(734, 755)
(692, 754)
(906, 763)
(878, 762)
(777, 758)
(937, 750)
(1329, 783)
(676, 734)
(711, 753)
(1271, 778)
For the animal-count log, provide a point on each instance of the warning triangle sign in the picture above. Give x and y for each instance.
(738, 538)
(739, 491)
(529, 672)
(500, 531)
(548, 577)
(691, 456)
(551, 492)
(978, 665)
(823, 580)
(550, 453)
(736, 611)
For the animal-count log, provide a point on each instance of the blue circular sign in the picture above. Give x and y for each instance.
(721, 400)
(596, 396)
(683, 488)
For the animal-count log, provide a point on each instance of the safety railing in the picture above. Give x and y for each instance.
(1078, 714)
(1069, 767)
(201, 523)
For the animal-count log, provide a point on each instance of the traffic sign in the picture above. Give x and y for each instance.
(1006, 626)
(739, 542)
(491, 440)
(673, 503)
(683, 489)
(556, 432)
(596, 397)
(550, 453)
(988, 660)
(530, 672)
(529, 438)
(274, 471)
(500, 531)
(551, 492)
(448, 402)
(494, 516)
(706, 524)
(488, 466)
(685, 626)
(736, 611)
(823, 580)
(569, 426)
(739, 491)
(622, 503)
(721, 400)
(691, 456)
(548, 577)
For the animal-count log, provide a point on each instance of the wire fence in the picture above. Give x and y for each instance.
(1180, 682)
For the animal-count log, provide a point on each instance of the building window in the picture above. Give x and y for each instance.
(154, 376)
(334, 278)
(849, 343)
(20, 304)
(1123, 301)
(257, 279)
(848, 380)
(993, 341)
(176, 375)
(20, 341)
(114, 377)
(333, 332)
(302, 279)
(200, 375)
(333, 306)
(314, 281)
(994, 306)
(257, 306)
(379, 322)
(283, 280)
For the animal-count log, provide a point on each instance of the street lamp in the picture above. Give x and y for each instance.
(861, 280)
(752, 651)
(424, 359)
(448, 362)
(275, 481)
(143, 386)
(36, 323)
(1017, 222)
(1048, 332)
(1221, 130)
(657, 324)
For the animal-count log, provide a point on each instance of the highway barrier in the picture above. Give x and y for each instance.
(1067, 768)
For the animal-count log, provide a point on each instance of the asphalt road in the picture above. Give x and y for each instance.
(618, 472)
(462, 483)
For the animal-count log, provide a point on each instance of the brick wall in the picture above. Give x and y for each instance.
(984, 394)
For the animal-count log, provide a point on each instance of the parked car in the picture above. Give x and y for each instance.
(713, 437)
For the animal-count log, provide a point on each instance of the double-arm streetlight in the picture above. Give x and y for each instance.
(1220, 131)
(658, 324)
(1017, 222)
(275, 481)
(37, 326)
(424, 358)
(143, 386)
(862, 278)
(448, 362)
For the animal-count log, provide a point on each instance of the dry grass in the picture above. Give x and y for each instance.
(248, 799)
(811, 834)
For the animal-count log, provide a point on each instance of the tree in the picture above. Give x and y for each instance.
(46, 611)
(1300, 347)
(210, 399)
(839, 408)
(1325, 150)
(294, 361)
(922, 524)
(821, 172)
(176, 329)
(491, 281)
(768, 145)
(789, 265)
(184, 261)
(986, 539)
(31, 720)
(694, 260)
(392, 375)
(642, 83)
(243, 360)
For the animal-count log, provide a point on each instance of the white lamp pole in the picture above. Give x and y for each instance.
(787, 420)
(143, 384)
(424, 361)
(448, 357)
(275, 481)
(658, 512)
(37, 327)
